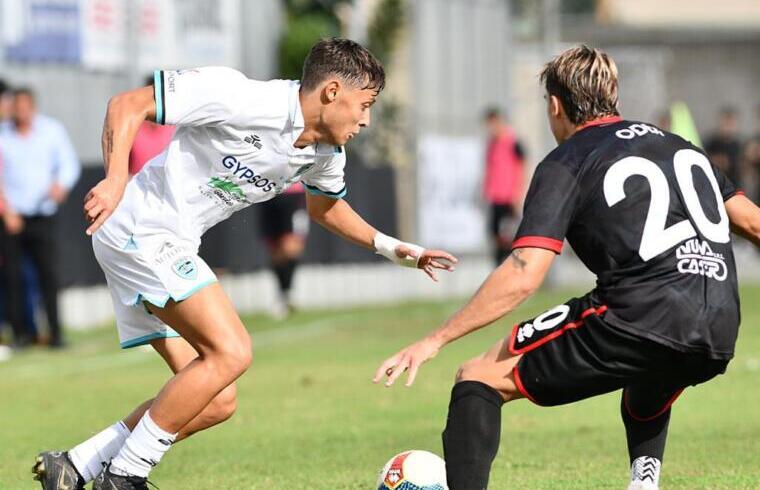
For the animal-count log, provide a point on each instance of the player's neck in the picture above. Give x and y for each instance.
(569, 129)
(311, 110)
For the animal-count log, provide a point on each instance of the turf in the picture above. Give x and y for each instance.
(309, 417)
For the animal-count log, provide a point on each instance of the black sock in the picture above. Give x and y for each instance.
(471, 438)
(284, 272)
(645, 433)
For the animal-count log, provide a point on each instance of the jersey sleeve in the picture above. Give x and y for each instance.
(199, 96)
(328, 179)
(727, 188)
(549, 207)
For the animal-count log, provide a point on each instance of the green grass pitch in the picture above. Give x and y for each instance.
(309, 417)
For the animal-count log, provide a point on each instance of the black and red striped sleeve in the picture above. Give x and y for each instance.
(549, 207)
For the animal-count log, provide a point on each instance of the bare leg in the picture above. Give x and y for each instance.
(178, 353)
(208, 322)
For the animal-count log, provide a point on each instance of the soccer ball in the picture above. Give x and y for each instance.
(413, 470)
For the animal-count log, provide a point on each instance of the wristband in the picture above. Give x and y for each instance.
(386, 246)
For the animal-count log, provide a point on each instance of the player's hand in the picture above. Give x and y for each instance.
(14, 223)
(101, 201)
(408, 359)
(429, 260)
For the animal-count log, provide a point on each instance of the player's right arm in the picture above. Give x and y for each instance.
(549, 208)
(197, 97)
(125, 114)
(744, 216)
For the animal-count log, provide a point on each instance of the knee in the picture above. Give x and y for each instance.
(468, 371)
(234, 356)
(223, 406)
(481, 371)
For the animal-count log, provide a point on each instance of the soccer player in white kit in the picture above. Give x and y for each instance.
(238, 142)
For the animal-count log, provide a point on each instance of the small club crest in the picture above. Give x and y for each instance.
(185, 268)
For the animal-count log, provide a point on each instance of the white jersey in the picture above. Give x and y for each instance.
(233, 147)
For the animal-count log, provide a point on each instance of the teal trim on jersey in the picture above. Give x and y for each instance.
(147, 338)
(158, 93)
(319, 192)
(160, 303)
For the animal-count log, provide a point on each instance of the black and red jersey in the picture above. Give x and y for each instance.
(643, 209)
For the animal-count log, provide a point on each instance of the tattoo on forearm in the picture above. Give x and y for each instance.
(517, 260)
(109, 142)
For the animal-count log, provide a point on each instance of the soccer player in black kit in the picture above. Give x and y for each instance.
(646, 212)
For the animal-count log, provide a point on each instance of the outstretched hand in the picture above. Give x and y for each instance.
(408, 359)
(429, 260)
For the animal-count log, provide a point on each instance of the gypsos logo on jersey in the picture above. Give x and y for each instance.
(248, 174)
(230, 193)
(696, 257)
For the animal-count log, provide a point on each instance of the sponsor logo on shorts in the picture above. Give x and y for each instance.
(185, 268)
(168, 251)
(696, 257)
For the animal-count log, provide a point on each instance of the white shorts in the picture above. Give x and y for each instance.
(149, 269)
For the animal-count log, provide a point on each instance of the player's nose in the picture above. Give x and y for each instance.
(365, 120)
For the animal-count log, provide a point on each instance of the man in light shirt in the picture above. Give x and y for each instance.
(39, 168)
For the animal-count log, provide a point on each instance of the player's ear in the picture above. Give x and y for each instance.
(330, 91)
(555, 107)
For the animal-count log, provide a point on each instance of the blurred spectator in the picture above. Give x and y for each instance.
(5, 102)
(31, 290)
(724, 147)
(503, 183)
(664, 120)
(752, 156)
(39, 169)
(5, 110)
(151, 140)
(284, 225)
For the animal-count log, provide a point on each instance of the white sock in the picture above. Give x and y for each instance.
(645, 473)
(143, 449)
(90, 456)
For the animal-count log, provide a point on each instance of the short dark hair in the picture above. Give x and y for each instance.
(585, 80)
(492, 112)
(24, 91)
(343, 58)
(3, 87)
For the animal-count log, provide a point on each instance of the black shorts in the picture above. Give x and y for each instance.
(570, 353)
(283, 215)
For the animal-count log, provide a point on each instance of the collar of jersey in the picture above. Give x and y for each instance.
(600, 121)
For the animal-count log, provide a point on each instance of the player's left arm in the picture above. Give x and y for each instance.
(515, 280)
(340, 218)
(744, 216)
